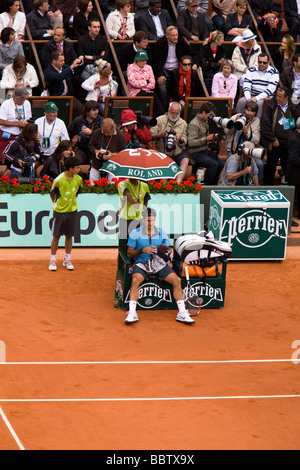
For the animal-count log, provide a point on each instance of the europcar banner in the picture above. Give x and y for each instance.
(25, 219)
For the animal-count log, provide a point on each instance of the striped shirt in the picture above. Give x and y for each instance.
(259, 84)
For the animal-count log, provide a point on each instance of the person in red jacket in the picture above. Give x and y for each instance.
(137, 135)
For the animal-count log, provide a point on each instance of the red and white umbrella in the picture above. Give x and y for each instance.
(142, 164)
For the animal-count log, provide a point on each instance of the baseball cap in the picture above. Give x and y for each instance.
(50, 106)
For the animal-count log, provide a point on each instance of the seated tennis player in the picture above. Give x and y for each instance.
(150, 247)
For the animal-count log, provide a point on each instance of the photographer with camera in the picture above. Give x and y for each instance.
(170, 137)
(246, 127)
(23, 152)
(203, 147)
(241, 168)
(136, 133)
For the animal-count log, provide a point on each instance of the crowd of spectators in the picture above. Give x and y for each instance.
(75, 60)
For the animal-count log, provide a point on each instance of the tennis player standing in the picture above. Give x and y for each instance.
(64, 191)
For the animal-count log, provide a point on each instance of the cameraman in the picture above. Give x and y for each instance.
(172, 144)
(249, 131)
(24, 152)
(240, 168)
(137, 135)
(199, 141)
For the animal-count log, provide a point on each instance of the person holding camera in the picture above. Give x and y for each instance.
(170, 137)
(55, 165)
(246, 128)
(240, 168)
(201, 144)
(23, 152)
(137, 135)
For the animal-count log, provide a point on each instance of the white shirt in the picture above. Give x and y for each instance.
(56, 131)
(171, 62)
(9, 111)
(157, 23)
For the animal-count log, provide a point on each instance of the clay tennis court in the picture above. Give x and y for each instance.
(77, 377)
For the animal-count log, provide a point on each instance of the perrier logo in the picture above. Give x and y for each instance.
(150, 295)
(253, 228)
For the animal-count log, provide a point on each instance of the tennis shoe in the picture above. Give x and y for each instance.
(184, 317)
(67, 263)
(52, 266)
(131, 318)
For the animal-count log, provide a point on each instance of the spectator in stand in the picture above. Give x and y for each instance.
(55, 164)
(58, 43)
(184, 82)
(82, 17)
(137, 134)
(14, 18)
(14, 115)
(220, 10)
(260, 82)
(283, 57)
(270, 25)
(81, 129)
(171, 121)
(92, 46)
(120, 23)
(19, 73)
(291, 10)
(259, 8)
(126, 53)
(20, 151)
(236, 23)
(154, 21)
(290, 78)
(167, 52)
(277, 125)
(41, 22)
(245, 54)
(107, 6)
(191, 23)
(199, 140)
(141, 81)
(10, 47)
(68, 9)
(293, 168)
(100, 85)
(51, 129)
(105, 143)
(211, 55)
(59, 78)
(224, 84)
(202, 8)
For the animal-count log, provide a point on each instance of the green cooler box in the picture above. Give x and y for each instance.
(254, 223)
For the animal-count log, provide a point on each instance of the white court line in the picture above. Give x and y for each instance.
(233, 361)
(11, 430)
(70, 400)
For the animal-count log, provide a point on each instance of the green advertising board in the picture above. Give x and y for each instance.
(253, 222)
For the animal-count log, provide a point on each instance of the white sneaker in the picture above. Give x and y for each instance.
(52, 266)
(184, 317)
(67, 263)
(131, 318)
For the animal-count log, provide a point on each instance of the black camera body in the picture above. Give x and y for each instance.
(170, 141)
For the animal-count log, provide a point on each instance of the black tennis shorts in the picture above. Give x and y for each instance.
(64, 224)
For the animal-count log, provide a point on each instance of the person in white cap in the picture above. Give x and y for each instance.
(245, 54)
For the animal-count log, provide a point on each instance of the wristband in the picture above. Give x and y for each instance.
(140, 251)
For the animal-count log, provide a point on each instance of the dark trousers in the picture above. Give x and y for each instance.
(272, 161)
(213, 164)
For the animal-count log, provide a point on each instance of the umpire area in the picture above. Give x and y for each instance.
(74, 376)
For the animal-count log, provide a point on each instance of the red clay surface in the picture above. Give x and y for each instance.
(69, 317)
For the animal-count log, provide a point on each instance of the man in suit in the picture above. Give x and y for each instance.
(154, 21)
(92, 46)
(168, 51)
(191, 23)
(127, 53)
(58, 43)
(39, 21)
(292, 16)
(59, 78)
